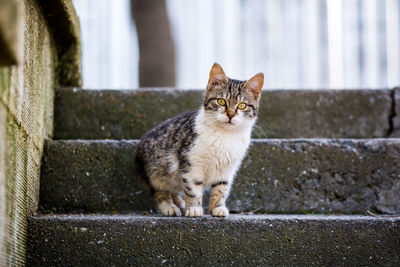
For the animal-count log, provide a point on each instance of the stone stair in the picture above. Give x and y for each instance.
(111, 114)
(314, 152)
(252, 240)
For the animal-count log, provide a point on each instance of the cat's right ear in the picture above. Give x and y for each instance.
(217, 77)
(255, 84)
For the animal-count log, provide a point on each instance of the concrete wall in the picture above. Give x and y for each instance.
(29, 71)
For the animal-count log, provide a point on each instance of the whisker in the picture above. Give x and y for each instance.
(211, 122)
(260, 130)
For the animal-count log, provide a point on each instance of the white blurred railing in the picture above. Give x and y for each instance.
(109, 44)
(296, 43)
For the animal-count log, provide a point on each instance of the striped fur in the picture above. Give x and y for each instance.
(202, 149)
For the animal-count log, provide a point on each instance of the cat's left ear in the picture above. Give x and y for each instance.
(217, 77)
(255, 84)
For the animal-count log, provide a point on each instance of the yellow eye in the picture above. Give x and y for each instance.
(221, 101)
(242, 106)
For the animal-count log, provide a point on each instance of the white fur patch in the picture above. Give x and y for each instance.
(169, 209)
(220, 212)
(218, 151)
(194, 211)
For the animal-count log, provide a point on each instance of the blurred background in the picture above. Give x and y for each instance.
(310, 44)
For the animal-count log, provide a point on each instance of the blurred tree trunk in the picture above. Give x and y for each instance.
(157, 53)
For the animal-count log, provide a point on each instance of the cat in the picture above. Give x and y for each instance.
(203, 148)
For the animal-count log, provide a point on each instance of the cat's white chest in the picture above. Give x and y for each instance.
(223, 148)
(219, 154)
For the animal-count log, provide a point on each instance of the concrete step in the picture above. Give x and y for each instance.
(105, 114)
(278, 176)
(258, 240)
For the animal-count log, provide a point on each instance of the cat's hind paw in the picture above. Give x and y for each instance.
(194, 211)
(220, 212)
(169, 209)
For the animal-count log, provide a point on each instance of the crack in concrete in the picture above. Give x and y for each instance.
(392, 112)
(392, 128)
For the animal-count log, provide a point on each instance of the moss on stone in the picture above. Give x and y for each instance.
(235, 241)
(26, 101)
(16, 187)
(66, 32)
(396, 113)
(10, 19)
(276, 176)
(5, 78)
(88, 114)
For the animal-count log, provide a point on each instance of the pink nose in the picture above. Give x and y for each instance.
(230, 113)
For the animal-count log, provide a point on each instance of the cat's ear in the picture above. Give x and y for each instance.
(217, 77)
(255, 84)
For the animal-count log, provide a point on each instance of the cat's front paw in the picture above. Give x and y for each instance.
(169, 209)
(194, 211)
(220, 212)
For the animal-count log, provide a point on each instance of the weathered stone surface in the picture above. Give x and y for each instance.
(284, 113)
(238, 241)
(277, 176)
(10, 22)
(64, 26)
(26, 104)
(92, 176)
(117, 114)
(29, 58)
(396, 113)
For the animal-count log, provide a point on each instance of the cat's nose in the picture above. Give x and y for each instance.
(230, 113)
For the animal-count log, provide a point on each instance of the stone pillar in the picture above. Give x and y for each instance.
(33, 49)
(157, 54)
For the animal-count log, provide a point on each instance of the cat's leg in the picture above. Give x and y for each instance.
(166, 204)
(193, 194)
(178, 201)
(219, 193)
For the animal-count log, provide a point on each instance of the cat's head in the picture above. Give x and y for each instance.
(229, 103)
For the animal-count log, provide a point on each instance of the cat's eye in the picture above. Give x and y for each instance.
(221, 101)
(241, 106)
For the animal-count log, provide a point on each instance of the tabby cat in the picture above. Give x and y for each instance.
(202, 149)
